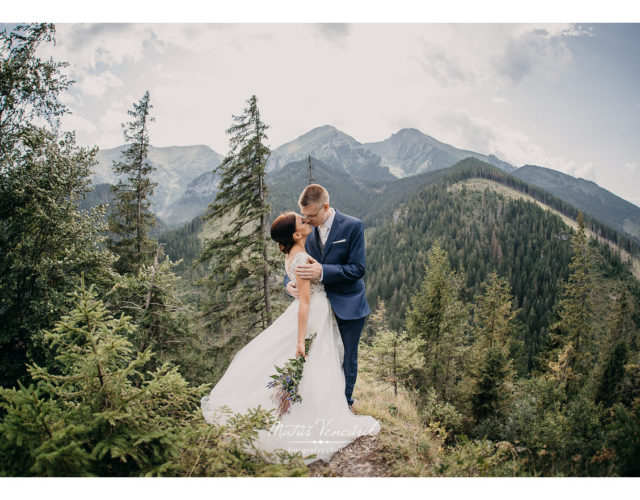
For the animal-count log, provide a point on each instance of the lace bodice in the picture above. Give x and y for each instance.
(302, 258)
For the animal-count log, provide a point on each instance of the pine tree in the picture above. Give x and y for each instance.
(437, 318)
(96, 412)
(131, 219)
(425, 317)
(488, 393)
(623, 326)
(613, 375)
(494, 318)
(489, 365)
(165, 322)
(615, 347)
(377, 321)
(239, 284)
(392, 356)
(573, 332)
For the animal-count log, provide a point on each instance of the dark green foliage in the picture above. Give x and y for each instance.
(96, 412)
(99, 413)
(489, 386)
(131, 218)
(183, 244)
(625, 438)
(45, 243)
(437, 319)
(586, 196)
(165, 321)
(613, 375)
(466, 222)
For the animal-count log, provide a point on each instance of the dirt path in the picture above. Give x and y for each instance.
(362, 458)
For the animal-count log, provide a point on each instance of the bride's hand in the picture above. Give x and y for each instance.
(300, 350)
(292, 290)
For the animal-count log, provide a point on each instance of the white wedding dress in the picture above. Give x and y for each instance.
(321, 423)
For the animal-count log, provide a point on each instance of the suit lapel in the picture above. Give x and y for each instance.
(335, 227)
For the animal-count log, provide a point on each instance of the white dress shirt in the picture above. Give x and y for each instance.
(327, 228)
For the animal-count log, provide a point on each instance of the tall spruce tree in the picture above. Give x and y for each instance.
(572, 337)
(438, 317)
(239, 284)
(489, 364)
(615, 349)
(132, 218)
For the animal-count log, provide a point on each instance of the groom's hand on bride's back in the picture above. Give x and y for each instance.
(312, 270)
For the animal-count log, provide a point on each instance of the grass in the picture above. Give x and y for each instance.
(411, 448)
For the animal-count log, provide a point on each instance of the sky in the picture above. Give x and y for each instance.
(559, 95)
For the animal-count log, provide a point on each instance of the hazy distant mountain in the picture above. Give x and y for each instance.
(187, 184)
(410, 152)
(586, 196)
(199, 193)
(176, 168)
(333, 147)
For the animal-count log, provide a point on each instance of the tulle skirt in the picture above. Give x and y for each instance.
(321, 423)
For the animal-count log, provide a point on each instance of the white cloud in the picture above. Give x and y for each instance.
(631, 166)
(80, 124)
(97, 85)
(498, 100)
(460, 128)
(494, 56)
(586, 170)
(88, 45)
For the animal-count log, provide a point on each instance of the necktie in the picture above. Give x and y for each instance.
(324, 230)
(321, 236)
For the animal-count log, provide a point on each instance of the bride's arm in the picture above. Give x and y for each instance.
(304, 288)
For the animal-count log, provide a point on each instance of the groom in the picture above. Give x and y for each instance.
(336, 247)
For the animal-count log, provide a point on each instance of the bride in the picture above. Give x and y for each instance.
(322, 422)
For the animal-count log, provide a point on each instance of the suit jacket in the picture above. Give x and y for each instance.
(343, 266)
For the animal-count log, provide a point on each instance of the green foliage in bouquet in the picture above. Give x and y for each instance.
(287, 381)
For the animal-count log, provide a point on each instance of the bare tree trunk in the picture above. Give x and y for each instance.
(395, 372)
(265, 255)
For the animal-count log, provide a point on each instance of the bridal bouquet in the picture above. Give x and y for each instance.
(287, 380)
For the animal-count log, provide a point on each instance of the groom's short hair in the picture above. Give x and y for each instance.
(313, 194)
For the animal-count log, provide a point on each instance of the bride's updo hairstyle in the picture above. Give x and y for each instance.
(282, 231)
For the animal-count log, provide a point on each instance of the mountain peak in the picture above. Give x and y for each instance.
(326, 131)
(410, 132)
(409, 135)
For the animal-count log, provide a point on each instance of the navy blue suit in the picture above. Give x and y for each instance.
(343, 267)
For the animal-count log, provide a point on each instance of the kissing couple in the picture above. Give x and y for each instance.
(324, 261)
